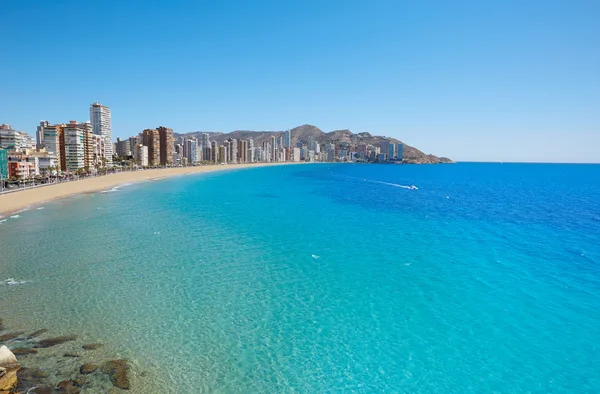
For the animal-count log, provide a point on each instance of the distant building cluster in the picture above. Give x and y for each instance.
(87, 147)
(58, 148)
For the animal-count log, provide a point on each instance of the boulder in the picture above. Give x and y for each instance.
(40, 390)
(10, 335)
(37, 333)
(8, 369)
(70, 354)
(8, 359)
(55, 341)
(68, 386)
(23, 351)
(86, 369)
(1, 325)
(92, 346)
(117, 371)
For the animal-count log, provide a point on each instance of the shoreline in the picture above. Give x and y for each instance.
(12, 203)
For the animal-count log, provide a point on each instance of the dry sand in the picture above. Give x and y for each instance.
(16, 201)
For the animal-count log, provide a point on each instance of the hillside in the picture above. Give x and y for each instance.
(302, 133)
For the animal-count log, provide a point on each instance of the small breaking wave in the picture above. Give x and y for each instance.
(15, 216)
(114, 189)
(314, 256)
(40, 208)
(13, 282)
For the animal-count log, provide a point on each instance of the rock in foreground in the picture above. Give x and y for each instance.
(117, 370)
(55, 341)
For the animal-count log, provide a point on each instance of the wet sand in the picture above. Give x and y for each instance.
(16, 201)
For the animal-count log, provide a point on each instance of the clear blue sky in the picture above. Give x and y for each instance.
(472, 80)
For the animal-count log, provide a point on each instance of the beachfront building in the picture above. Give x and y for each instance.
(167, 146)
(39, 134)
(123, 148)
(14, 140)
(287, 139)
(151, 139)
(22, 166)
(52, 142)
(101, 125)
(242, 151)
(3, 164)
(74, 147)
(391, 151)
(399, 151)
(190, 150)
(142, 155)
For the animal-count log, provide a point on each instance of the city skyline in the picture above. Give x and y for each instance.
(509, 81)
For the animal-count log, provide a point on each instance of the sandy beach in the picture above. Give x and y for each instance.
(16, 201)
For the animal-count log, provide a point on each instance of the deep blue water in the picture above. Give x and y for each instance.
(327, 278)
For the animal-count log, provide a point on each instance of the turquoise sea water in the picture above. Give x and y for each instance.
(326, 278)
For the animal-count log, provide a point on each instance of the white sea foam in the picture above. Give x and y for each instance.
(15, 216)
(40, 208)
(126, 184)
(411, 187)
(156, 233)
(3, 220)
(314, 256)
(114, 189)
(13, 282)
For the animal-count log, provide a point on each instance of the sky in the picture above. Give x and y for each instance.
(494, 80)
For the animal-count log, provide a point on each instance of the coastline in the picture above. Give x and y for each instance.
(14, 202)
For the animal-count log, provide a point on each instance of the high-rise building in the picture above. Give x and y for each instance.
(287, 140)
(391, 153)
(242, 151)
(215, 152)
(233, 150)
(399, 151)
(100, 118)
(384, 148)
(151, 139)
(273, 148)
(52, 142)
(190, 147)
(167, 145)
(39, 134)
(123, 148)
(222, 156)
(251, 150)
(3, 164)
(14, 140)
(141, 155)
(74, 147)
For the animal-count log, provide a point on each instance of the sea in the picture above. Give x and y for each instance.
(325, 278)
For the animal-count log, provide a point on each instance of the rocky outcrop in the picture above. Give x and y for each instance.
(117, 371)
(10, 335)
(55, 341)
(86, 369)
(92, 346)
(8, 369)
(37, 333)
(23, 351)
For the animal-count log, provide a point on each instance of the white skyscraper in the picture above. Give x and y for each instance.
(100, 117)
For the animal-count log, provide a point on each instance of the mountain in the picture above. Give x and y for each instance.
(302, 133)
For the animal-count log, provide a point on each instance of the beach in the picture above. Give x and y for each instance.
(12, 202)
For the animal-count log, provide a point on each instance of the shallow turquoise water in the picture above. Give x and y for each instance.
(327, 278)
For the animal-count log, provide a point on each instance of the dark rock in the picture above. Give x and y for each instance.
(69, 354)
(87, 369)
(69, 386)
(37, 333)
(23, 351)
(40, 390)
(92, 346)
(55, 341)
(1, 325)
(117, 370)
(31, 374)
(10, 335)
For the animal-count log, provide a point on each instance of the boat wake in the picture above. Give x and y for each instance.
(13, 282)
(411, 187)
